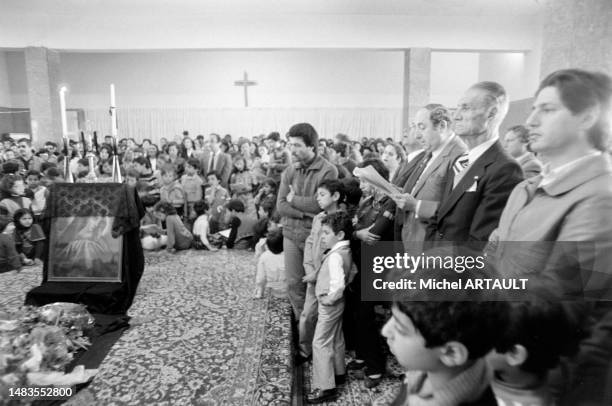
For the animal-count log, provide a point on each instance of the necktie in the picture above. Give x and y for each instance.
(460, 164)
(211, 164)
(416, 176)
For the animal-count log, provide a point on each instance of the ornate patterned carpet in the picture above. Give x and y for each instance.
(197, 336)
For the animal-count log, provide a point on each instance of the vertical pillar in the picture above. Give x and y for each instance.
(577, 34)
(42, 72)
(417, 88)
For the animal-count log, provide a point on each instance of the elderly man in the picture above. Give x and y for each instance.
(425, 186)
(481, 179)
(515, 143)
(297, 205)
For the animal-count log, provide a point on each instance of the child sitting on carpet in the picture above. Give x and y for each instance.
(29, 237)
(442, 346)
(12, 189)
(152, 235)
(538, 334)
(334, 275)
(9, 257)
(242, 226)
(271, 267)
(201, 225)
(179, 238)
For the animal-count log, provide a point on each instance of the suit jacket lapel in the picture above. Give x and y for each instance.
(442, 157)
(476, 169)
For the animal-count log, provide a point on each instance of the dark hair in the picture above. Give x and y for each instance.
(165, 208)
(274, 241)
(10, 167)
(270, 182)
(83, 161)
(33, 172)
(19, 213)
(438, 113)
(333, 186)
(580, 90)
(352, 191)
(142, 161)
(377, 164)
(46, 165)
(200, 207)
(522, 133)
(213, 173)
(545, 329)
(274, 136)
(149, 200)
(340, 221)
(399, 151)
(341, 149)
(52, 172)
(476, 325)
(307, 133)
(194, 162)
(26, 140)
(235, 205)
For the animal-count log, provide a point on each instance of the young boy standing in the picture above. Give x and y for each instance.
(329, 195)
(216, 196)
(192, 185)
(334, 274)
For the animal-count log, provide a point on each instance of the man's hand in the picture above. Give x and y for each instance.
(309, 278)
(291, 194)
(366, 236)
(404, 201)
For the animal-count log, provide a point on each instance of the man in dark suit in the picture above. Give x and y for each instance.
(214, 159)
(481, 179)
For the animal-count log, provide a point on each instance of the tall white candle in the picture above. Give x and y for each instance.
(62, 95)
(113, 111)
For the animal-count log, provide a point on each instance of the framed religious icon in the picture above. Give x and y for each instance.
(83, 244)
(82, 249)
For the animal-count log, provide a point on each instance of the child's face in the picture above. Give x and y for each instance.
(408, 345)
(168, 178)
(267, 189)
(365, 187)
(239, 164)
(213, 181)
(18, 188)
(173, 151)
(325, 199)
(9, 154)
(190, 170)
(131, 181)
(159, 215)
(26, 220)
(104, 155)
(106, 168)
(328, 237)
(33, 181)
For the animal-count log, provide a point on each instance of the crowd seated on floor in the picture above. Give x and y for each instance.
(307, 206)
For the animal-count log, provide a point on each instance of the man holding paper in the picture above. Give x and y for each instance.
(423, 189)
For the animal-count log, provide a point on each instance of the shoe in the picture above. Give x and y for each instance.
(372, 382)
(300, 359)
(340, 379)
(355, 365)
(321, 396)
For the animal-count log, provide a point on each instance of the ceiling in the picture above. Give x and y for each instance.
(360, 7)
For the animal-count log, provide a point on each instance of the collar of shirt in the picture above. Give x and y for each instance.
(550, 175)
(480, 149)
(338, 245)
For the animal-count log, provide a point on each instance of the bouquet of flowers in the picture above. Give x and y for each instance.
(38, 343)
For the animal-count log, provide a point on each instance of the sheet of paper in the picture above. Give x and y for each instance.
(370, 175)
(225, 233)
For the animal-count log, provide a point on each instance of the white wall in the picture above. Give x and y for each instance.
(5, 91)
(451, 74)
(507, 69)
(286, 79)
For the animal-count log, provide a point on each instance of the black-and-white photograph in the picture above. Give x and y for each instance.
(292, 202)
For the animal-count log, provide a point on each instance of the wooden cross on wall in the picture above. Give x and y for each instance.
(245, 82)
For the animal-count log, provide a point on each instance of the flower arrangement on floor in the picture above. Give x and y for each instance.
(36, 345)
